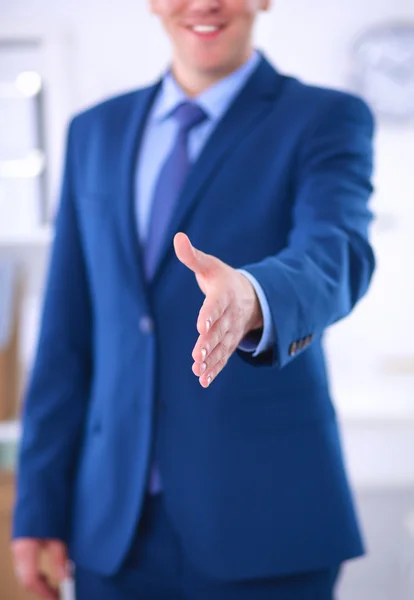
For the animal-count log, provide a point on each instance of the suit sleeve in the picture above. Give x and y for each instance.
(57, 395)
(328, 262)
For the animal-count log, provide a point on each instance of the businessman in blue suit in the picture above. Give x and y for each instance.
(179, 438)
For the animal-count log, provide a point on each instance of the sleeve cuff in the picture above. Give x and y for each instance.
(261, 340)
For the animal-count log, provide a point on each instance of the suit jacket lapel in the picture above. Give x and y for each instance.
(250, 106)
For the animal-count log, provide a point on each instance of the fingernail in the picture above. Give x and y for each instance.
(203, 353)
(208, 380)
(208, 324)
(203, 367)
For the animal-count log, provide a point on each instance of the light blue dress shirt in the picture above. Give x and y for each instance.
(158, 139)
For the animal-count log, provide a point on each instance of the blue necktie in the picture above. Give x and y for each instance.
(170, 183)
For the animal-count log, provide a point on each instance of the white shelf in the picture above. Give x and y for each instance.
(9, 432)
(41, 237)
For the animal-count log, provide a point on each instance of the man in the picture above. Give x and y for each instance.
(179, 437)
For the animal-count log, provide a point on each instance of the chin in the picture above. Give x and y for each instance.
(209, 67)
(213, 66)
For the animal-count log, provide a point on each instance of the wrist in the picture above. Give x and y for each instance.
(254, 317)
(256, 321)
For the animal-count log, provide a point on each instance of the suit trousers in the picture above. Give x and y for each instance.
(157, 568)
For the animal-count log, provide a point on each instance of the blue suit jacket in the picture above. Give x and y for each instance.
(252, 468)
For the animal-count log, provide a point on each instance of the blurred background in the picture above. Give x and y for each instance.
(58, 58)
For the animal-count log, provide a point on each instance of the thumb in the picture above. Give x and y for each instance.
(59, 558)
(191, 257)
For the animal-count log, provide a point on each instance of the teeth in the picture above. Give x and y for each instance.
(205, 28)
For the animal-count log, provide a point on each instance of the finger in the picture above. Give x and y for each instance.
(210, 374)
(194, 259)
(215, 362)
(208, 341)
(30, 577)
(39, 585)
(26, 555)
(59, 559)
(212, 310)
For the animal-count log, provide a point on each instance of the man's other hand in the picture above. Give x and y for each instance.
(27, 553)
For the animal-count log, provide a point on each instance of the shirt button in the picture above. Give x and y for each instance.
(146, 324)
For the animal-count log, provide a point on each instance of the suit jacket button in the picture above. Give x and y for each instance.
(146, 324)
(293, 348)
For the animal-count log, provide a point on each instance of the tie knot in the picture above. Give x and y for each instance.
(189, 115)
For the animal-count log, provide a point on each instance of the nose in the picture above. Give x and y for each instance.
(204, 5)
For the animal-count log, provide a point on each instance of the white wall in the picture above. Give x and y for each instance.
(109, 46)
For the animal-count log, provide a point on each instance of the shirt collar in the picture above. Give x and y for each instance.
(214, 100)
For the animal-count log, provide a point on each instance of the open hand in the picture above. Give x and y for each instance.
(229, 312)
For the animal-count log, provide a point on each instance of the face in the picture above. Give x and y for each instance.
(210, 38)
